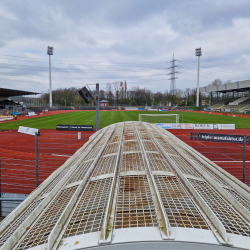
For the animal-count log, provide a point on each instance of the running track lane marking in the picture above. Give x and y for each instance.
(63, 155)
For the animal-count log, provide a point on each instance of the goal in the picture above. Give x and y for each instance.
(159, 118)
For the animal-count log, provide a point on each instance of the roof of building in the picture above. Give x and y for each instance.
(133, 186)
(240, 86)
(104, 101)
(14, 92)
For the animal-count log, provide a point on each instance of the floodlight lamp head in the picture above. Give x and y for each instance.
(198, 52)
(50, 50)
(86, 95)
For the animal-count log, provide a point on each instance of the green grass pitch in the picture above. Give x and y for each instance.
(110, 117)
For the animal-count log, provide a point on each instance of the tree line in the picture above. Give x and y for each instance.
(116, 93)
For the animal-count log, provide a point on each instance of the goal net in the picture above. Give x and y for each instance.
(159, 118)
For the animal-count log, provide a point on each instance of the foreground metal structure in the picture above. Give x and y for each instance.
(133, 186)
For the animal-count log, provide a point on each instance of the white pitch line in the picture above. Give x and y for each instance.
(231, 161)
(62, 155)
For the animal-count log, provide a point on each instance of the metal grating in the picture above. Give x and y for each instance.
(93, 153)
(168, 148)
(53, 183)
(132, 162)
(129, 136)
(158, 162)
(89, 213)
(144, 136)
(80, 172)
(184, 166)
(179, 207)
(231, 220)
(134, 207)
(131, 146)
(101, 142)
(39, 233)
(149, 146)
(20, 219)
(111, 148)
(204, 168)
(245, 203)
(106, 165)
(224, 185)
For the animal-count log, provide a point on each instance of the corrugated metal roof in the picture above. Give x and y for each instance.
(133, 183)
(14, 92)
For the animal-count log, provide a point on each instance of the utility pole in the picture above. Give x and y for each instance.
(50, 52)
(172, 78)
(198, 53)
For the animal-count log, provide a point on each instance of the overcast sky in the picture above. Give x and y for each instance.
(116, 40)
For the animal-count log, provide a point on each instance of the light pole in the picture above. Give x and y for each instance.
(50, 52)
(198, 53)
(97, 106)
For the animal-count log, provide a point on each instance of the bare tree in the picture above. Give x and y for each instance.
(116, 86)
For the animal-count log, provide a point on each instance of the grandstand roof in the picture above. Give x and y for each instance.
(240, 86)
(5, 93)
(133, 186)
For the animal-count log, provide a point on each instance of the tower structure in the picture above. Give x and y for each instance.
(50, 52)
(172, 78)
(198, 53)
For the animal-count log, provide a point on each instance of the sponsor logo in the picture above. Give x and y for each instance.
(219, 137)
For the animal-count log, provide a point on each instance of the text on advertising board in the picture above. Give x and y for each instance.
(75, 127)
(197, 136)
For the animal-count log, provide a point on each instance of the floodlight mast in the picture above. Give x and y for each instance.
(97, 107)
(198, 53)
(50, 52)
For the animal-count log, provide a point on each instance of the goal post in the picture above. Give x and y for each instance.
(159, 118)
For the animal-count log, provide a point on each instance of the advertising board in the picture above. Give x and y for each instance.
(75, 127)
(197, 136)
(29, 131)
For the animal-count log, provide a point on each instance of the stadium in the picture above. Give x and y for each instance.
(133, 185)
(124, 125)
(142, 181)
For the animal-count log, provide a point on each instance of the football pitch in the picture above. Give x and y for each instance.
(110, 117)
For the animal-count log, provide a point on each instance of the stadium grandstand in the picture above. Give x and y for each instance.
(229, 97)
(133, 186)
(8, 106)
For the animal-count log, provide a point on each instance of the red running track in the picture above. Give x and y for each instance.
(17, 153)
(229, 156)
(18, 160)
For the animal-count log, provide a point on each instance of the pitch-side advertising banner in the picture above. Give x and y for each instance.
(214, 126)
(75, 127)
(174, 125)
(29, 131)
(197, 136)
(194, 126)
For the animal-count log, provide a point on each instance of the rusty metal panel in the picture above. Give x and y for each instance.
(178, 204)
(134, 207)
(89, 213)
(132, 162)
(12, 228)
(230, 219)
(39, 232)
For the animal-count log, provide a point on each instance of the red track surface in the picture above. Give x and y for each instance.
(229, 156)
(18, 161)
(17, 152)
